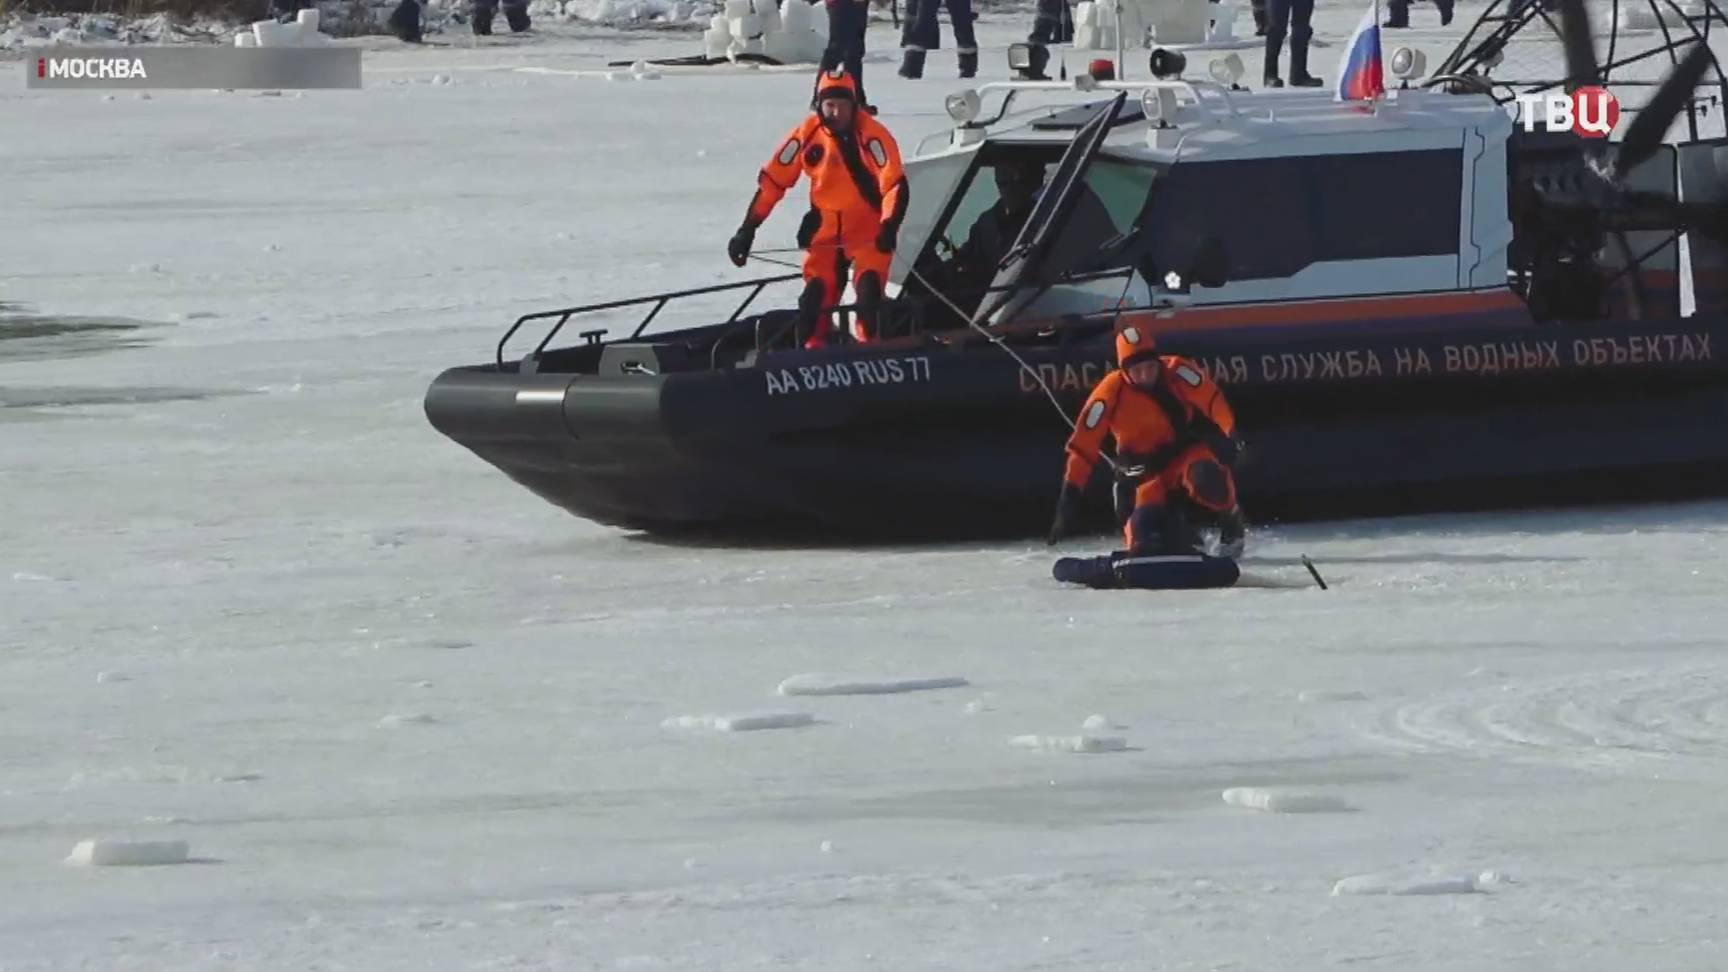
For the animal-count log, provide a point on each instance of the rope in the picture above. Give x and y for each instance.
(778, 263)
(972, 322)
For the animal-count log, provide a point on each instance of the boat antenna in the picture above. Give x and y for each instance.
(1121, 65)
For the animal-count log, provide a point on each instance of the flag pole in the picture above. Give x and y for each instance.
(1379, 55)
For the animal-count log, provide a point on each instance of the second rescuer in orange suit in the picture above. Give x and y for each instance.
(1175, 430)
(858, 199)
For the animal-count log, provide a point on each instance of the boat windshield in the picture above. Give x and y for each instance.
(962, 252)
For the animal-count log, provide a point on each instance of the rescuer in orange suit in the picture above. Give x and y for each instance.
(858, 199)
(1175, 434)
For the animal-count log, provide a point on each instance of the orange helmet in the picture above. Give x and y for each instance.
(1133, 344)
(836, 82)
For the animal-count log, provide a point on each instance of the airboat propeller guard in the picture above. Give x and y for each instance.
(1473, 63)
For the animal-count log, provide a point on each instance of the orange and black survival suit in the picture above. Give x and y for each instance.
(858, 198)
(1175, 437)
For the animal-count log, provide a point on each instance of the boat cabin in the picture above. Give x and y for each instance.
(1295, 196)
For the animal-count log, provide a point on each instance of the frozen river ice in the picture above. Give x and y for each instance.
(406, 715)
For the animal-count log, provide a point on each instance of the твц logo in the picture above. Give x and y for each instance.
(1590, 112)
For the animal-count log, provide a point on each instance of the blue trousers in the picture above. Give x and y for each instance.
(920, 29)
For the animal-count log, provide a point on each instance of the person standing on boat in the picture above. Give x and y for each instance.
(1175, 433)
(1294, 17)
(858, 197)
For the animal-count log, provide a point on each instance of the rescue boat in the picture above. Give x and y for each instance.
(1414, 305)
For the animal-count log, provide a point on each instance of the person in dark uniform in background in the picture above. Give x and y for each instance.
(515, 14)
(1295, 18)
(1054, 24)
(1399, 11)
(847, 22)
(920, 34)
(404, 22)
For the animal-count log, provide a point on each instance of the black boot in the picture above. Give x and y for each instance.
(912, 64)
(968, 64)
(482, 18)
(1299, 76)
(1270, 77)
(1445, 11)
(405, 22)
(1232, 534)
(1259, 18)
(517, 18)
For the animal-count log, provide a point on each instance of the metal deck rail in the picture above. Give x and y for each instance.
(658, 300)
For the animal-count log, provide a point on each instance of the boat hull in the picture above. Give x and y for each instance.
(926, 441)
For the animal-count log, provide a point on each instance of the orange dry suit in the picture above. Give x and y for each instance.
(1176, 438)
(858, 198)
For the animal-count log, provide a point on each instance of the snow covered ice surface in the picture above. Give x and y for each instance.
(820, 684)
(410, 716)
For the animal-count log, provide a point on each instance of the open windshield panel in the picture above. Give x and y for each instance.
(930, 186)
(1043, 229)
(983, 221)
(963, 237)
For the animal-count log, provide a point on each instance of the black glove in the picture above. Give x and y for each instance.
(886, 236)
(738, 248)
(807, 228)
(1067, 512)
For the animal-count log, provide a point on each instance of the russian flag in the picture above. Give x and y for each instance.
(1361, 75)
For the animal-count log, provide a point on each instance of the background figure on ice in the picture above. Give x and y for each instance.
(515, 14)
(1295, 18)
(1175, 435)
(1399, 13)
(858, 197)
(847, 22)
(1053, 24)
(921, 34)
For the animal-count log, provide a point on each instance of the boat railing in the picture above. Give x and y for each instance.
(1192, 87)
(1197, 92)
(659, 301)
(770, 330)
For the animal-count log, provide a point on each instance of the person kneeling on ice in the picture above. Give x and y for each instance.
(1175, 435)
(858, 197)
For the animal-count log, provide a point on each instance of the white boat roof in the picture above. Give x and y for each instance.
(1213, 122)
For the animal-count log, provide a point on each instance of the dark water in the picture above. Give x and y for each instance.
(27, 337)
(36, 337)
